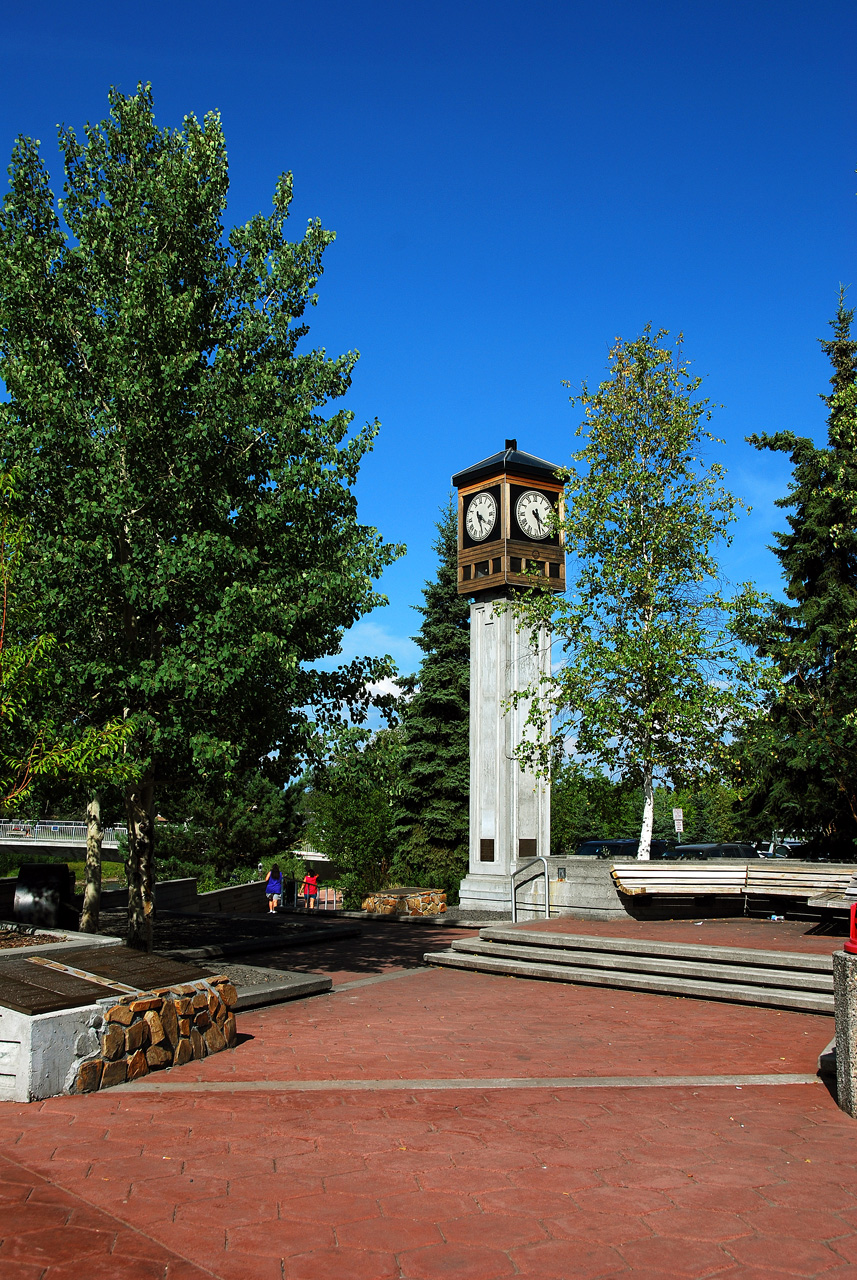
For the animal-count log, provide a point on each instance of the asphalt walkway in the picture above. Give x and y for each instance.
(417, 1124)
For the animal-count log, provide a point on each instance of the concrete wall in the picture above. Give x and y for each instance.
(587, 892)
(35, 1052)
(171, 895)
(238, 900)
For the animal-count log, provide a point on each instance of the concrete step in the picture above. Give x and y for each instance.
(778, 979)
(651, 947)
(781, 977)
(658, 984)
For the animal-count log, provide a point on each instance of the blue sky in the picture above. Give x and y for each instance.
(513, 185)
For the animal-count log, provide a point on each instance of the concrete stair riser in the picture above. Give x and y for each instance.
(781, 978)
(771, 997)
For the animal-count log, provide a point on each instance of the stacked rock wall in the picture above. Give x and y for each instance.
(415, 902)
(149, 1031)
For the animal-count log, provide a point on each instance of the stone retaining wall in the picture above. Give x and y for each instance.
(406, 902)
(149, 1031)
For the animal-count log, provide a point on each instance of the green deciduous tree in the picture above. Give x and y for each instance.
(350, 808)
(195, 537)
(216, 832)
(646, 689)
(798, 759)
(587, 805)
(33, 746)
(434, 783)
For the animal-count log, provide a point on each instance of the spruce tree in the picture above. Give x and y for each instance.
(799, 759)
(432, 818)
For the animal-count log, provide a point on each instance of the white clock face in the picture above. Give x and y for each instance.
(532, 511)
(481, 516)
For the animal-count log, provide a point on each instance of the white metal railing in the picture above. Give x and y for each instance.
(513, 887)
(309, 853)
(54, 832)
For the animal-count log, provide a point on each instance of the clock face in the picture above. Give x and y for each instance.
(481, 516)
(533, 511)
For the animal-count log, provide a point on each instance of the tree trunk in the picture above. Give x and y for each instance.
(139, 809)
(645, 849)
(92, 888)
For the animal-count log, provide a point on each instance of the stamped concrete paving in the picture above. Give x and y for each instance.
(453, 1153)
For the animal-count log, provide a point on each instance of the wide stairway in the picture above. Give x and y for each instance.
(778, 979)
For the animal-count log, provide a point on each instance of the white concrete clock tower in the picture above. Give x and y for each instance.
(504, 504)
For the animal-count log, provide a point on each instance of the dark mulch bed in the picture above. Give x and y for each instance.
(14, 938)
(180, 933)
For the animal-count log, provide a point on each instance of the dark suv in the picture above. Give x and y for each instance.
(703, 851)
(619, 849)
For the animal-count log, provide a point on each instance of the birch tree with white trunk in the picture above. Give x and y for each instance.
(648, 689)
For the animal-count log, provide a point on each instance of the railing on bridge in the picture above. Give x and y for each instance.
(16, 832)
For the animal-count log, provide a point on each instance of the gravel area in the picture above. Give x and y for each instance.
(248, 975)
(461, 917)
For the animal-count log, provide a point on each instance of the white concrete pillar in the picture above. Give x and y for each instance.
(509, 807)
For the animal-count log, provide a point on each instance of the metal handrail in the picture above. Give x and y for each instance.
(512, 888)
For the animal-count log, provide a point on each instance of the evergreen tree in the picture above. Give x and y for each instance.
(349, 806)
(798, 763)
(215, 832)
(434, 787)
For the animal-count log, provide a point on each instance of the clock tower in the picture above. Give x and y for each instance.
(505, 535)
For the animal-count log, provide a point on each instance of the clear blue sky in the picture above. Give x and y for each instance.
(512, 185)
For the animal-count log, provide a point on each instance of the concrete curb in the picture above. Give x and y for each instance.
(295, 987)
(162, 1084)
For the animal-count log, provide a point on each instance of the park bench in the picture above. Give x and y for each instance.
(796, 881)
(637, 878)
(808, 884)
(835, 900)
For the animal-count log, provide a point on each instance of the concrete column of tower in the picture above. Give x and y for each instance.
(509, 805)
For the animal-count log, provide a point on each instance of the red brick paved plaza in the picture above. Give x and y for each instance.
(427, 1124)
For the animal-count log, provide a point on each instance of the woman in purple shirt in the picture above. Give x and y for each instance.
(274, 887)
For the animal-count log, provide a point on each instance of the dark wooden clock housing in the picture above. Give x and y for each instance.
(508, 553)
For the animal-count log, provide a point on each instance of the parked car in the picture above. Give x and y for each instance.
(796, 849)
(704, 851)
(618, 849)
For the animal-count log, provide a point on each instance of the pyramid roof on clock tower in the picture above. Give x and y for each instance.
(510, 459)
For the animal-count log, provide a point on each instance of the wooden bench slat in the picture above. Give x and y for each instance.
(636, 878)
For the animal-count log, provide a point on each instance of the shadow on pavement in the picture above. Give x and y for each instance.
(380, 948)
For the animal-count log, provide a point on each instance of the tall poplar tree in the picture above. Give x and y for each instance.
(434, 773)
(34, 748)
(798, 758)
(646, 691)
(195, 537)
